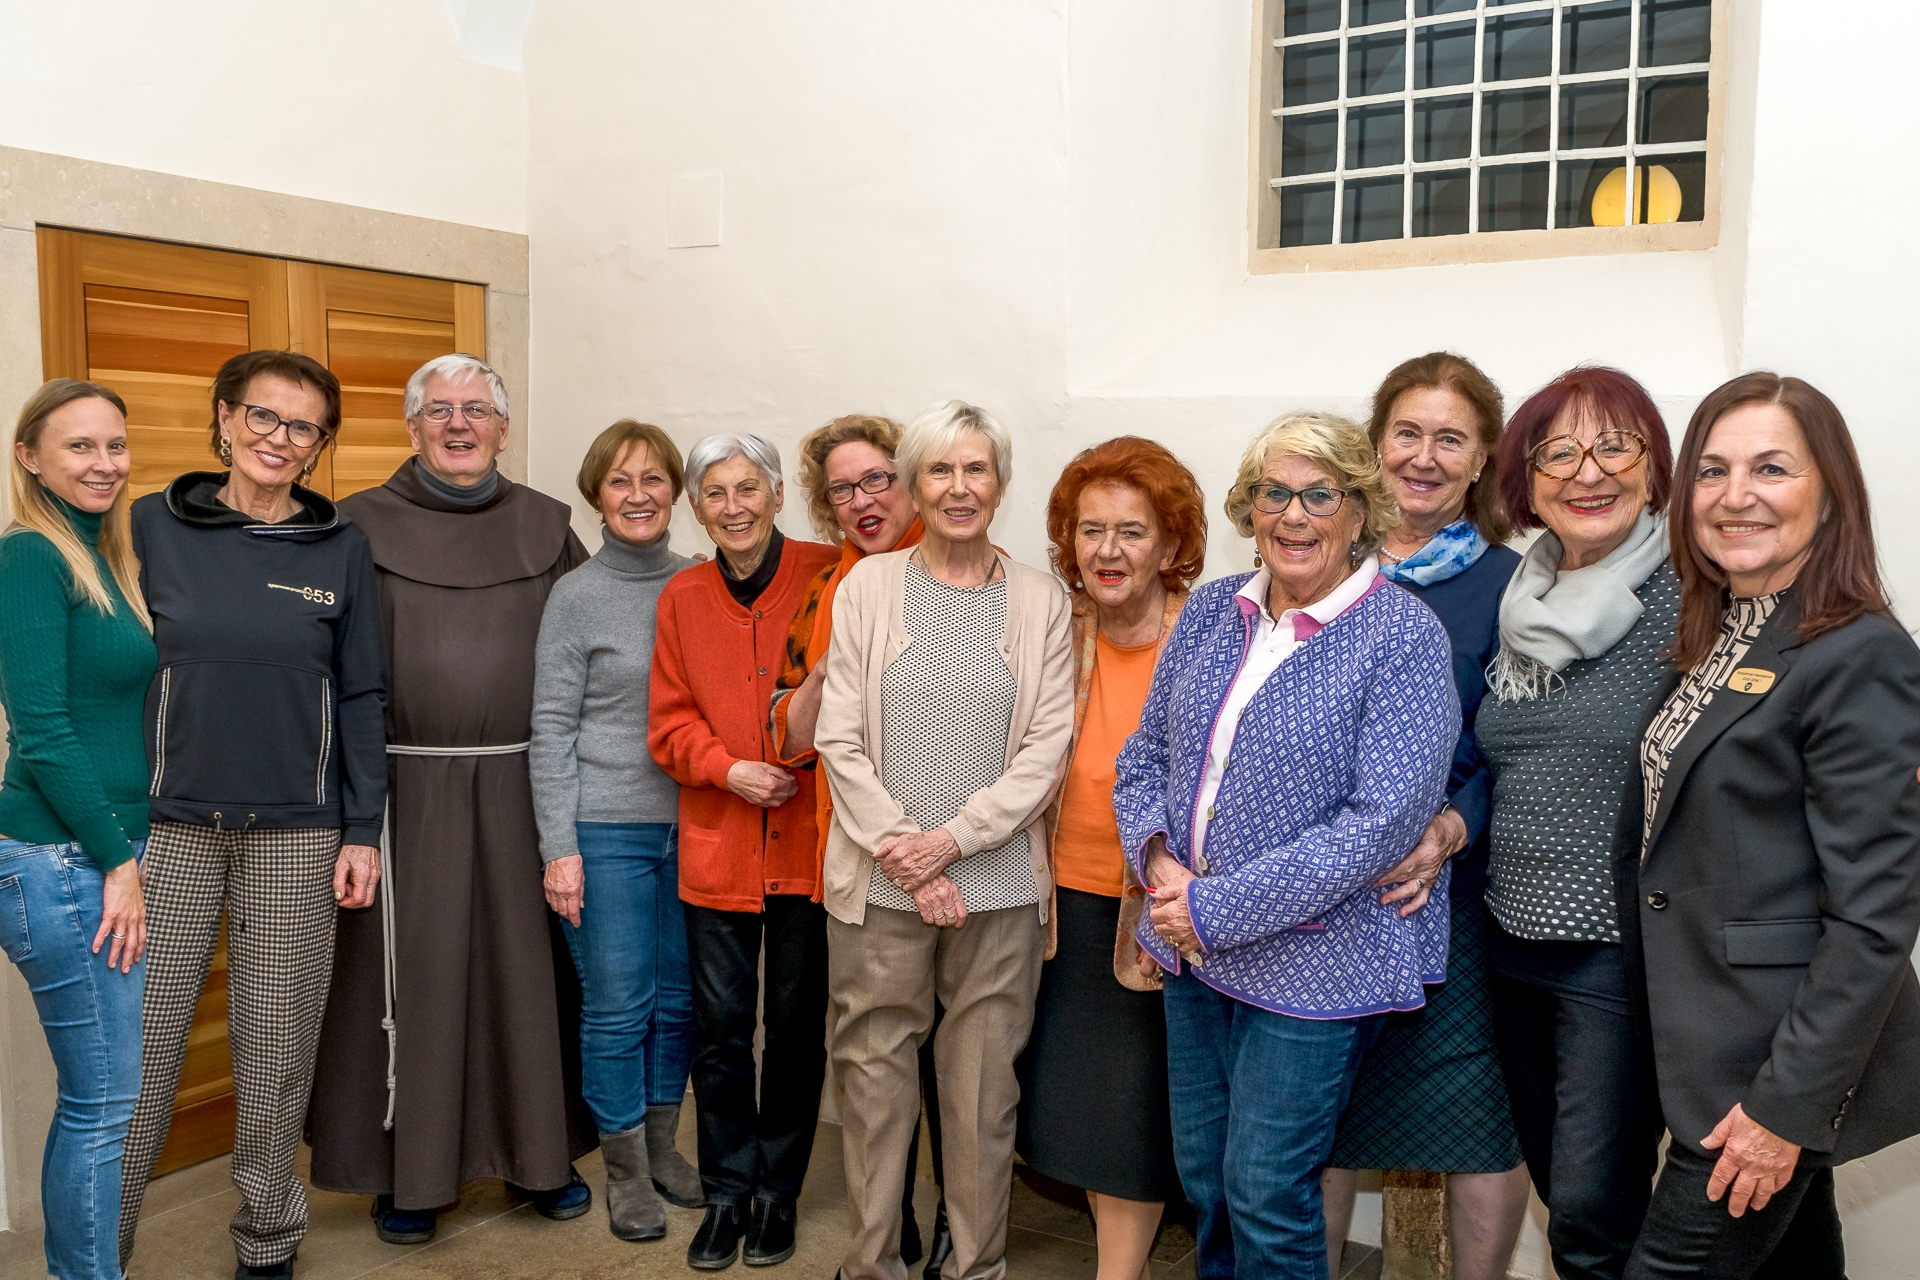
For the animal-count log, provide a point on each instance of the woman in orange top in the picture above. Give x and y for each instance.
(1129, 535)
(748, 875)
(848, 472)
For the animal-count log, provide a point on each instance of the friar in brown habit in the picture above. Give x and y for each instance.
(485, 1047)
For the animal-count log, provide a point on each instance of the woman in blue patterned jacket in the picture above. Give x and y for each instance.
(1294, 746)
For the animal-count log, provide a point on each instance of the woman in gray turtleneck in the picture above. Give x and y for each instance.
(607, 835)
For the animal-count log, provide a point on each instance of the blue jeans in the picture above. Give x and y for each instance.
(49, 911)
(1256, 1098)
(636, 1017)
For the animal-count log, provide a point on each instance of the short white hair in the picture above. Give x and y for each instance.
(940, 428)
(457, 365)
(713, 450)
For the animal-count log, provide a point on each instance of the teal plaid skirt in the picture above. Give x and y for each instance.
(1431, 1097)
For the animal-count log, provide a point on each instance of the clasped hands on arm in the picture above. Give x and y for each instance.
(1166, 885)
(917, 862)
(766, 785)
(1411, 882)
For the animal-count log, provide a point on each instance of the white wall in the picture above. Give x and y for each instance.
(364, 102)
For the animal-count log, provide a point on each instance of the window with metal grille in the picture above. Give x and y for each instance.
(1416, 119)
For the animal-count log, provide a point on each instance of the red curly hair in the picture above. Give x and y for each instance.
(1140, 464)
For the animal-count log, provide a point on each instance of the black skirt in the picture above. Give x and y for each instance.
(1093, 1079)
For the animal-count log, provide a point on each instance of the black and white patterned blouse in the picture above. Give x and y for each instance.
(1561, 765)
(946, 708)
(1740, 626)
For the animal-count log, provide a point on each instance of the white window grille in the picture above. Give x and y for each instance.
(1408, 119)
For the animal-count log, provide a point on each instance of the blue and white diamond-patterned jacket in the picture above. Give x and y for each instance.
(1338, 765)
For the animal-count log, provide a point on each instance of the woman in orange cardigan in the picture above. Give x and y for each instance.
(748, 871)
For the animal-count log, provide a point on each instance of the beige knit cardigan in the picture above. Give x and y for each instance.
(1037, 646)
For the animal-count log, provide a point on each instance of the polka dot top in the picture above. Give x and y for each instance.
(1561, 766)
(946, 708)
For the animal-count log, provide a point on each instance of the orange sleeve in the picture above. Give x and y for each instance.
(683, 744)
(796, 662)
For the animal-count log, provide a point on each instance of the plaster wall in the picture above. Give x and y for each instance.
(362, 102)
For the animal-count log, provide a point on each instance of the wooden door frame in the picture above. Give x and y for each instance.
(38, 189)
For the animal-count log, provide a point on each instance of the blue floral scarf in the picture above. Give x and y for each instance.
(1450, 552)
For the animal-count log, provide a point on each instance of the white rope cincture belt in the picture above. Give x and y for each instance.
(386, 899)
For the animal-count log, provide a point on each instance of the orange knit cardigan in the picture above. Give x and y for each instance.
(714, 667)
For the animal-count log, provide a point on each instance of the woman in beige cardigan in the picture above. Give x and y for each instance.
(936, 877)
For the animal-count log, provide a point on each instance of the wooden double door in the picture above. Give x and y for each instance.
(155, 322)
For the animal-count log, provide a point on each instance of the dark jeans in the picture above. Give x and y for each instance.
(1256, 1097)
(752, 1148)
(636, 1019)
(1583, 1088)
(1796, 1237)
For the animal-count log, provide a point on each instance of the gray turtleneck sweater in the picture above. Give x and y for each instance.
(592, 667)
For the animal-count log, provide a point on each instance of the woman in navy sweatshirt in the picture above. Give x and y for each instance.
(267, 747)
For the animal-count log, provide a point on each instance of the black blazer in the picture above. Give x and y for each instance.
(1779, 900)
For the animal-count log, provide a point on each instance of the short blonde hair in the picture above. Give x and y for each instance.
(1342, 448)
(939, 429)
(818, 445)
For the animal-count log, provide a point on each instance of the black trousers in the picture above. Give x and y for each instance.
(1583, 1091)
(757, 1147)
(1796, 1237)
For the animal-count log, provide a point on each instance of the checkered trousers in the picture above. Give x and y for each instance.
(277, 887)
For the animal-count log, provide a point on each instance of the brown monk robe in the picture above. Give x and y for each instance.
(487, 1080)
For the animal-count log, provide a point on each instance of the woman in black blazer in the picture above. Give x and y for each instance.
(1777, 893)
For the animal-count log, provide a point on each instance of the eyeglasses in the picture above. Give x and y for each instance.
(1274, 499)
(872, 482)
(1561, 457)
(263, 421)
(476, 412)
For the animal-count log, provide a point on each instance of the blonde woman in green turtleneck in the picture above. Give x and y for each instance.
(76, 656)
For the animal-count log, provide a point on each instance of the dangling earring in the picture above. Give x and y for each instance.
(226, 451)
(1256, 559)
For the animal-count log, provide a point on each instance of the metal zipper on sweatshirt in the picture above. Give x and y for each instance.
(160, 733)
(326, 739)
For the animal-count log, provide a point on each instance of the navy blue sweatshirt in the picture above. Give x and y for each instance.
(269, 706)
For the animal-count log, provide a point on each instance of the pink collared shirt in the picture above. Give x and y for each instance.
(1274, 641)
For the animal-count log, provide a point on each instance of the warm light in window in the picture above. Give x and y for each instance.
(1658, 197)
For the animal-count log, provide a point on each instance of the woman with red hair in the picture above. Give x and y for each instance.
(1129, 535)
(1586, 628)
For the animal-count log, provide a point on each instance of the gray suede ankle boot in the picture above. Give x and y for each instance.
(634, 1209)
(675, 1179)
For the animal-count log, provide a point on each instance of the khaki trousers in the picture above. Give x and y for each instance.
(882, 978)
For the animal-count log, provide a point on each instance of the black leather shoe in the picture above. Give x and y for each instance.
(911, 1248)
(942, 1244)
(769, 1234)
(717, 1242)
(272, 1271)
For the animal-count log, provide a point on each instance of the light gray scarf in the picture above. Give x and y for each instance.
(1551, 616)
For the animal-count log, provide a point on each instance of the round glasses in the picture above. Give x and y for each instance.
(872, 482)
(1318, 500)
(476, 412)
(263, 421)
(1561, 457)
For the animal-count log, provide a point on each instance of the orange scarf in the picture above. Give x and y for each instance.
(817, 642)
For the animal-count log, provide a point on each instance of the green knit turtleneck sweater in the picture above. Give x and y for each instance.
(73, 682)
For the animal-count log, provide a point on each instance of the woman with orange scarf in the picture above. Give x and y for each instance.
(847, 470)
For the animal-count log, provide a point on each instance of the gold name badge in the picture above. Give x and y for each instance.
(1750, 680)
